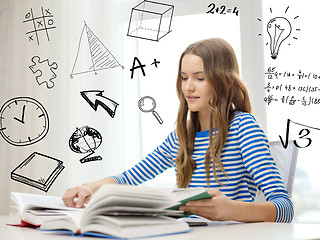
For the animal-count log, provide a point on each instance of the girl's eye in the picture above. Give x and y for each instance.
(200, 79)
(184, 78)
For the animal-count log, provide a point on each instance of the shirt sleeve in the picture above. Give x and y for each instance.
(260, 164)
(151, 166)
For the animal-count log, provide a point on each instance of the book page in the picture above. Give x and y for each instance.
(25, 200)
(184, 193)
(134, 226)
(75, 216)
(146, 192)
(128, 201)
(70, 221)
(142, 196)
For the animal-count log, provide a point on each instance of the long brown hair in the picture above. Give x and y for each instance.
(229, 95)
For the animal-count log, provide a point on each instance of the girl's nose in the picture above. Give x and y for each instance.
(189, 85)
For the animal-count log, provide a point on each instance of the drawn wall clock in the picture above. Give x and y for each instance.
(23, 121)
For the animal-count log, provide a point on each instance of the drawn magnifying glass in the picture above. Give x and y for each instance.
(148, 104)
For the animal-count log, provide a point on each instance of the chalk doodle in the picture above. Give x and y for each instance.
(293, 100)
(273, 73)
(222, 9)
(291, 87)
(279, 29)
(49, 169)
(92, 55)
(150, 20)
(303, 135)
(95, 98)
(134, 67)
(305, 93)
(44, 71)
(23, 121)
(155, 62)
(137, 64)
(39, 25)
(148, 104)
(86, 140)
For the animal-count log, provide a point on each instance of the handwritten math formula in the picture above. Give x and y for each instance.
(213, 9)
(272, 73)
(292, 100)
(302, 134)
(292, 88)
(290, 97)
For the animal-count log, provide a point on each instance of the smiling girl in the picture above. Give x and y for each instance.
(217, 144)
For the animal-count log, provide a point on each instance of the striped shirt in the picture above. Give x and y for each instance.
(246, 159)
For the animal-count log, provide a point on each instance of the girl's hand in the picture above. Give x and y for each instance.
(217, 208)
(82, 193)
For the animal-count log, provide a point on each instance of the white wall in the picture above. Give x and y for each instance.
(127, 136)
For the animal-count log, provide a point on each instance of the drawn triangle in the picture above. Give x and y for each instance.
(92, 54)
(101, 57)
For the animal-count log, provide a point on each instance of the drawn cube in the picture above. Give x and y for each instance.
(150, 20)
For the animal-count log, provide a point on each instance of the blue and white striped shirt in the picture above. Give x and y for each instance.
(246, 159)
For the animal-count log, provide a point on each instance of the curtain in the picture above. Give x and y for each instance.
(50, 68)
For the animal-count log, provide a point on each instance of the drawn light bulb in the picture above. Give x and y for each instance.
(279, 29)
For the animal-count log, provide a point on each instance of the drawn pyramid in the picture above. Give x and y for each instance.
(92, 54)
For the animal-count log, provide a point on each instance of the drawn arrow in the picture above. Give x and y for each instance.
(96, 98)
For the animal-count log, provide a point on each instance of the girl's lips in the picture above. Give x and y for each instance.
(192, 98)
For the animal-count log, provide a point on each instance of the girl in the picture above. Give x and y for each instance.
(217, 144)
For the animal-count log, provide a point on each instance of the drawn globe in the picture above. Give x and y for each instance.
(85, 140)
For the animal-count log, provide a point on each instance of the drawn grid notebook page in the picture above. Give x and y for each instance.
(38, 171)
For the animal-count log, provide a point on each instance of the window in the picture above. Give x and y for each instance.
(160, 81)
(288, 91)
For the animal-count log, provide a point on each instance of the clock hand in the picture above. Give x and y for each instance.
(18, 120)
(23, 110)
(22, 118)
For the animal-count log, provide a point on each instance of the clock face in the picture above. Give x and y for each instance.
(23, 121)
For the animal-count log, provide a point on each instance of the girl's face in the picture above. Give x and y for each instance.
(194, 85)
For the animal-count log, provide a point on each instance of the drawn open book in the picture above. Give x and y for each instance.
(123, 211)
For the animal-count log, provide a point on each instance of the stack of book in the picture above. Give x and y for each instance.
(118, 211)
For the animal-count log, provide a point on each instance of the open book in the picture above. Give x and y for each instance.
(124, 211)
(33, 209)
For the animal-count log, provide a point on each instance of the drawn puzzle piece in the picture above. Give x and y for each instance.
(44, 71)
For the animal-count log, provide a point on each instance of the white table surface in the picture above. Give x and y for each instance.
(242, 231)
